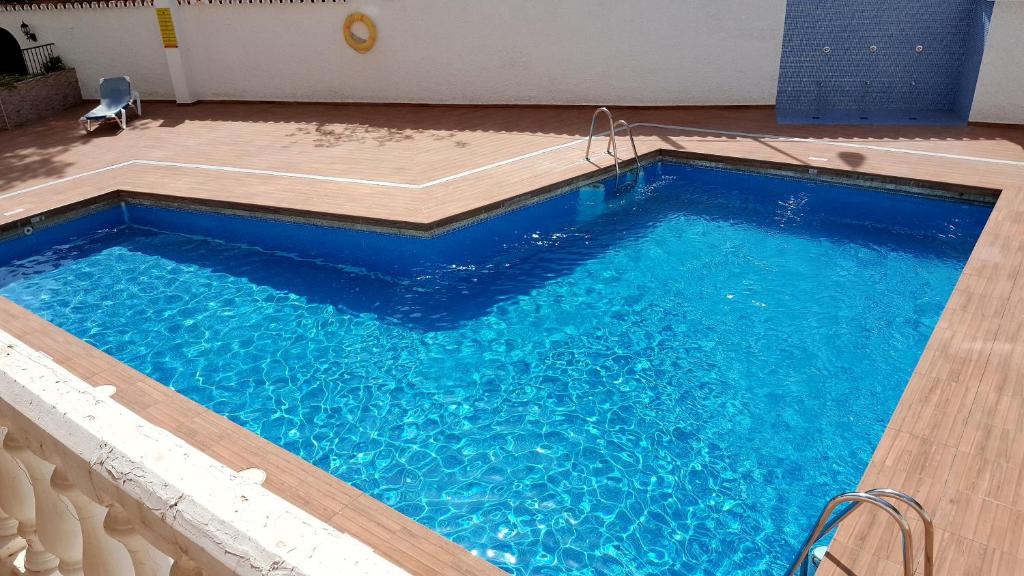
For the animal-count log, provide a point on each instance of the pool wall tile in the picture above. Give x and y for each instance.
(829, 73)
(45, 238)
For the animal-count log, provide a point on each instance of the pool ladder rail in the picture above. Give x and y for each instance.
(879, 498)
(612, 149)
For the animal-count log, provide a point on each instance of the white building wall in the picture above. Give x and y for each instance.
(644, 52)
(668, 52)
(100, 42)
(492, 51)
(1000, 93)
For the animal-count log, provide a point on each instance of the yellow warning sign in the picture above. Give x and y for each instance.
(166, 22)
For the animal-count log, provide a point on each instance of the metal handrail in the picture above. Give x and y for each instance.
(875, 498)
(612, 148)
(629, 132)
(926, 519)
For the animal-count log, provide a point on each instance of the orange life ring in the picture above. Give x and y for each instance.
(361, 45)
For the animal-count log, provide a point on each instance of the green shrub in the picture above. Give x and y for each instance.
(9, 81)
(53, 64)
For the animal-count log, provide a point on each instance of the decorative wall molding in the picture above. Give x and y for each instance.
(255, 2)
(74, 5)
(146, 3)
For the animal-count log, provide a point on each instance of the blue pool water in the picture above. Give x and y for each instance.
(670, 379)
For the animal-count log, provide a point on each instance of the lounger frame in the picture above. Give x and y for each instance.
(121, 116)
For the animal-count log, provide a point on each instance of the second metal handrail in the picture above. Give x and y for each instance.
(632, 142)
(926, 519)
(613, 127)
(875, 497)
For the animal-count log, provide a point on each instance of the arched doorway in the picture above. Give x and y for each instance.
(11, 61)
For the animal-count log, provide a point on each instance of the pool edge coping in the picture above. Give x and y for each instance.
(468, 217)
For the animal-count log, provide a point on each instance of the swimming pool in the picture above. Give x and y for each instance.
(670, 379)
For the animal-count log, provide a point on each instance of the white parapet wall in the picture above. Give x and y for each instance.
(645, 52)
(1000, 93)
(90, 488)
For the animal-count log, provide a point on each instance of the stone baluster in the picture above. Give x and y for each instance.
(101, 554)
(184, 566)
(146, 559)
(10, 542)
(17, 500)
(56, 523)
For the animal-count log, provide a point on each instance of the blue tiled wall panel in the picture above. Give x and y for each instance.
(972, 64)
(896, 83)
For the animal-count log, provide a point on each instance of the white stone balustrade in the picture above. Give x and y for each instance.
(88, 488)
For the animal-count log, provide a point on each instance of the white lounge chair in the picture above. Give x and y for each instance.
(116, 95)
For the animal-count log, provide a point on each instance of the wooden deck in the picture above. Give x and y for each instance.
(956, 440)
